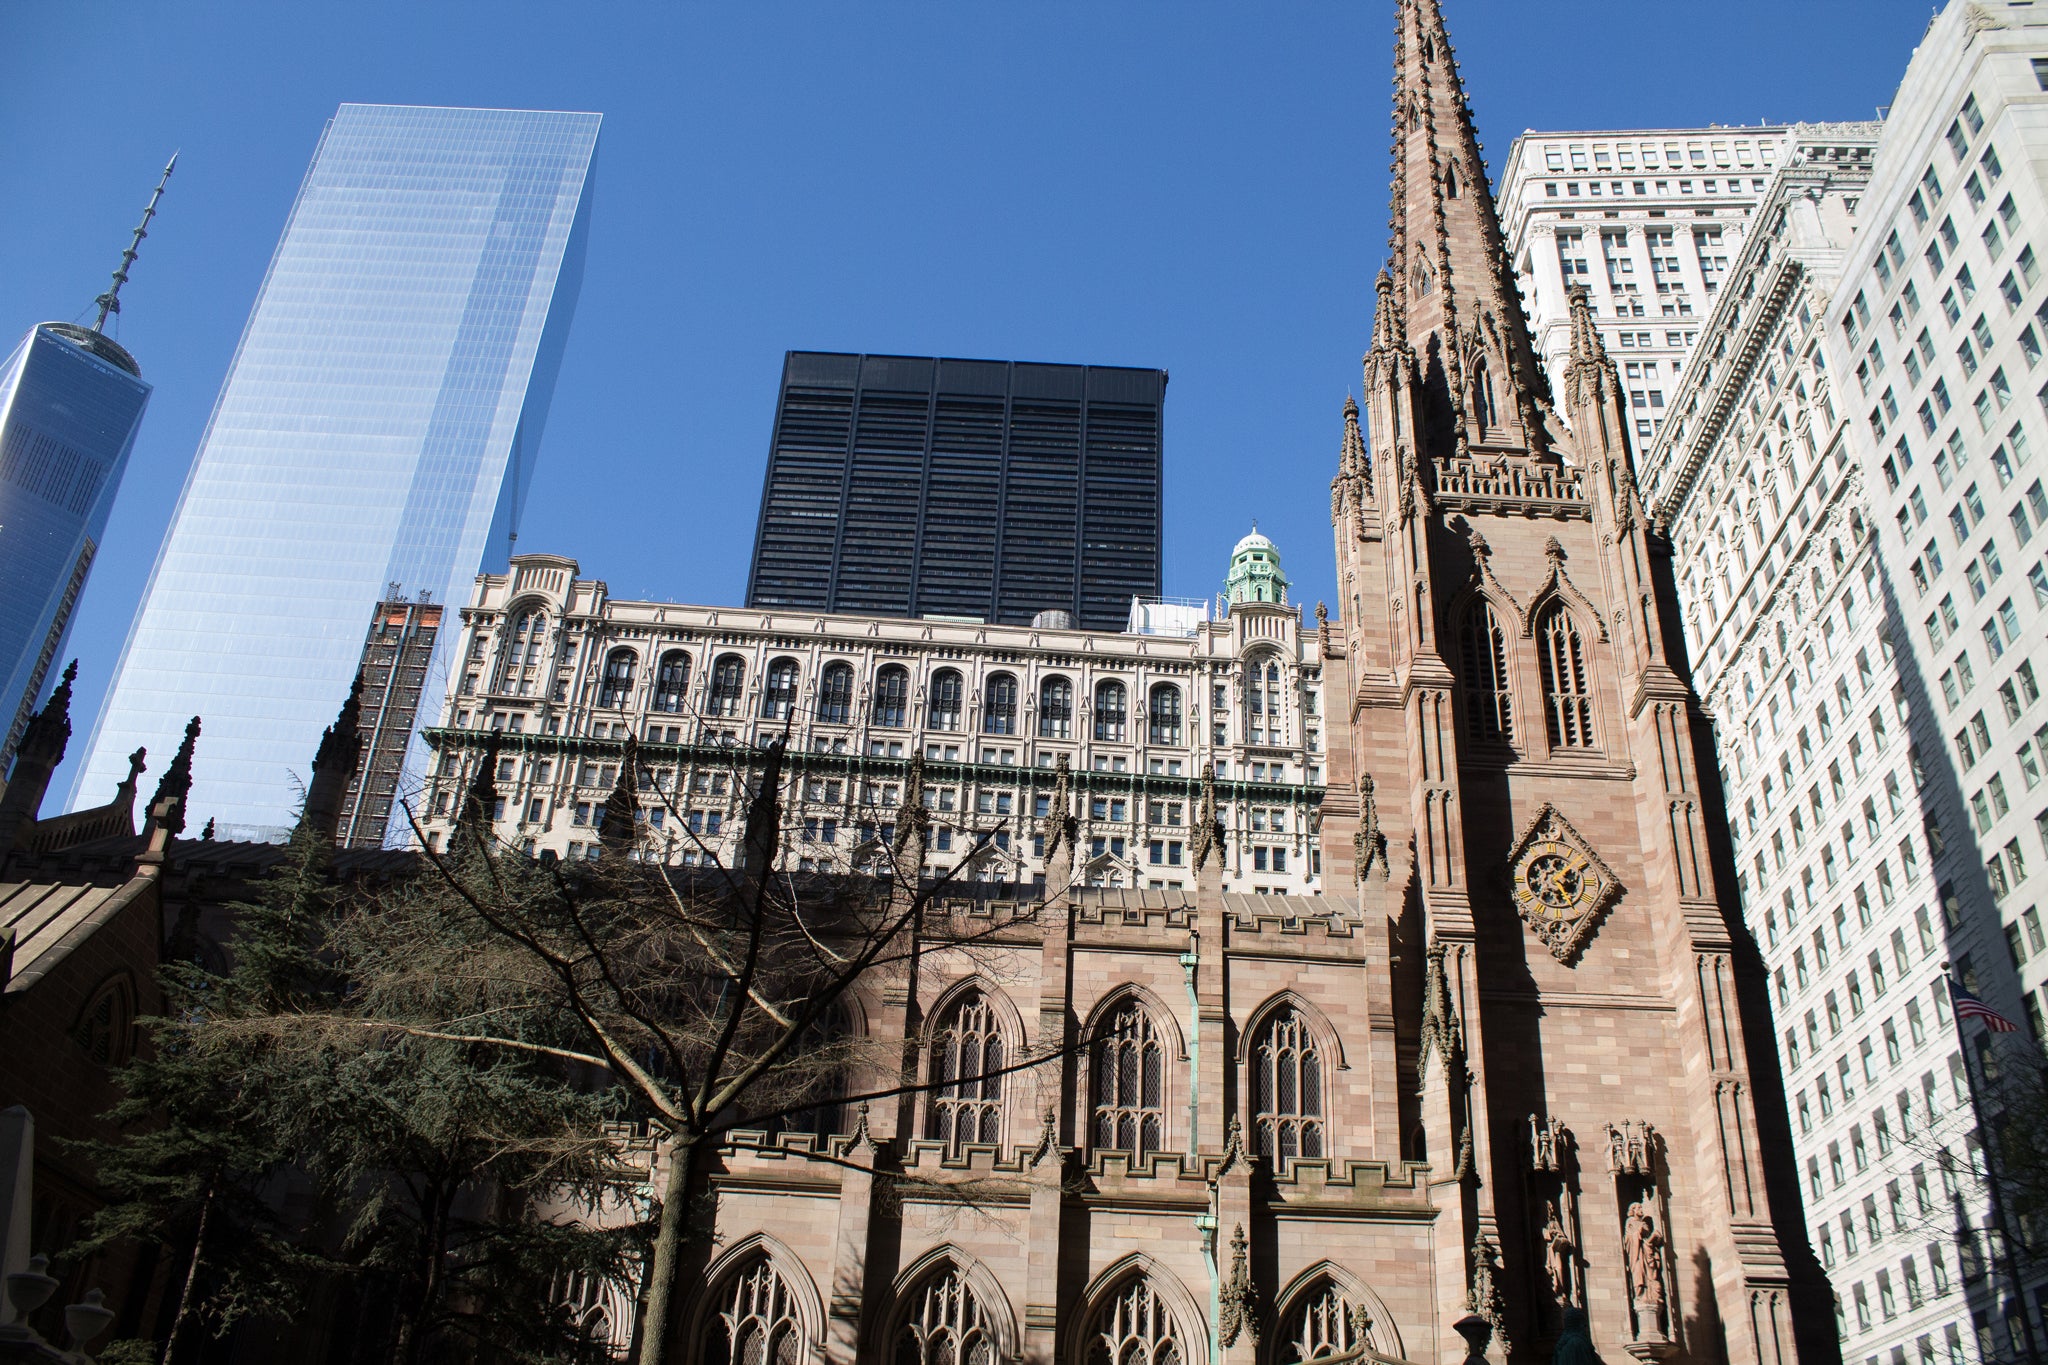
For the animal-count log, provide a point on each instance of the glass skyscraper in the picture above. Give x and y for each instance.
(70, 403)
(375, 435)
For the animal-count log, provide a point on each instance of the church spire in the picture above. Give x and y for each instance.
(1453, 284)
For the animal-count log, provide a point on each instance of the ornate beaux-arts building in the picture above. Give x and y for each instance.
(1511, 1061)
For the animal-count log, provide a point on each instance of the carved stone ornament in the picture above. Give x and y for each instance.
(1560, 885)
(1237, 1309)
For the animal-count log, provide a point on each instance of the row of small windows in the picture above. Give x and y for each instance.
(944, 703)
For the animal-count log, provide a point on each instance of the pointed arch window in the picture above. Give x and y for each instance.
(947, 1325)
(1165, 714)
(1483, 647)
(945, 700)
(778, 696)
(1129, 1071)
(835, 694)
(1134, 1327)
(1323, 1324)
(1483, 410)
(1111, 711)
(756, 1322)
(617, 683)
(1055, 709)
(672, 681)
(824, 1054)
(967, 1093)
(1287, 1089)
(999, 705)
(728, 677)
(1567, 693)
(892, 697)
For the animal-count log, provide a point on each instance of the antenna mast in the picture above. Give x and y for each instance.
(110, 302)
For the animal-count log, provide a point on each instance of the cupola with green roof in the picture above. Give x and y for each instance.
(1255, 574)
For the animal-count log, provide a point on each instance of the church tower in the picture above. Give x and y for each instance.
(1525, 797)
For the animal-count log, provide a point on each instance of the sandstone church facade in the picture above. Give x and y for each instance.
(1513, 1062)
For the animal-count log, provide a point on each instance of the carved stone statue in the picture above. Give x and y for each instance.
(1557, 1256)
(1644, 1246)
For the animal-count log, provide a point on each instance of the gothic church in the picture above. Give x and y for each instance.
(1513, 1066)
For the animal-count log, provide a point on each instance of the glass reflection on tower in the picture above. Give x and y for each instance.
(70, 403)
(378, 427)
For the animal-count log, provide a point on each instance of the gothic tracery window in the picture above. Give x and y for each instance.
(1129, 1073)
(947, 1326)
(1567, 693)
(1287, 1089)
(756, 1322)
(1483, 645)
(967, 1095)
(1324, 1324)
(1134, 1328)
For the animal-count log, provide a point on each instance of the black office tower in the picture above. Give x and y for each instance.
(969, 488)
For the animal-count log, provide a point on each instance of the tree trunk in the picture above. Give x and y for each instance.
(412, 1338)
(668, 1243)
(188, 1292)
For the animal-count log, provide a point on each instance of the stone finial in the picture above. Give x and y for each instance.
(913, 821)
(615, 828)
(177, 779)
(1480, 549)
(334, 766)
(1553, 551)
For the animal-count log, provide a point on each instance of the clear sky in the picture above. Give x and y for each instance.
(1199, 187)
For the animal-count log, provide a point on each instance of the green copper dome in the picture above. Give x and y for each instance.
(1255, 574)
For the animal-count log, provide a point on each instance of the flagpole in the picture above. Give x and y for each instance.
(1988, 1141)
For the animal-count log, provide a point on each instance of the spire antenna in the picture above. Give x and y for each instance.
(110, 302)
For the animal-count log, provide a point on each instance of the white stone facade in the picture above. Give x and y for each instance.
(1937, 332)
(1760, 478)
(1649, 221)
(566, 673)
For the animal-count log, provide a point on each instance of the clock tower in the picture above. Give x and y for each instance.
(1526, 799)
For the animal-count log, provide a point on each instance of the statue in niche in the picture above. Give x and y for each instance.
(1644, 1246)
(1557, 1256)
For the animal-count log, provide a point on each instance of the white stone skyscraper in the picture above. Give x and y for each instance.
(1937, 334)
(1649, 221)
(378, 426)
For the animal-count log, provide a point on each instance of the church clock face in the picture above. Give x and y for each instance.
(1560, 885)
(1559, 882)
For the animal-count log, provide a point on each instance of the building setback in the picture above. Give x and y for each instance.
(985, 490)
(378, 424)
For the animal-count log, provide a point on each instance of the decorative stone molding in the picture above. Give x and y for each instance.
(1236, 1304)
(1560, 885)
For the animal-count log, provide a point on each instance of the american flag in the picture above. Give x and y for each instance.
(1968, 1006)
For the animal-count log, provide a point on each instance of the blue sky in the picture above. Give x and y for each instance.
(1199, 187)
